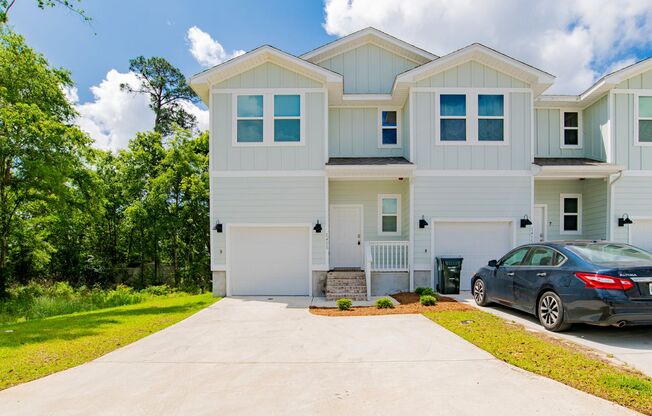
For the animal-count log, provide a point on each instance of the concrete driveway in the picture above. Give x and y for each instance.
(246, 356)
(629, 345)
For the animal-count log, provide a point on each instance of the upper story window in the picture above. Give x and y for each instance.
(389, 129)
(570, 211)
(571, 133)
(471, 118)
(644, 120)
(267, 120)
(389, 214)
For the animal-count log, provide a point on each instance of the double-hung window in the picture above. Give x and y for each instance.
(491, 117)
(571, 134)
(452, 117)
(268, 119)
(389, 128)
(287, 118)
(389, 214)
(250, 120)
(644, 120)
(570, 220)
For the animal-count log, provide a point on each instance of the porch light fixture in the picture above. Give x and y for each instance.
(218, 227)
(525, 221)
(317, 227)
(422, 222)
(624, 220)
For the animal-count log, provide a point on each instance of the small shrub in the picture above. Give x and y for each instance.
(160, 290)
(421, 291)
(344, 304)
(384, 303)
(428, 300)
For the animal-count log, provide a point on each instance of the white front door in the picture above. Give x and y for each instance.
(539, 224)
(345, 236)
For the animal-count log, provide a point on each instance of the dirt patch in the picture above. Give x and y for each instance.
(408, 304)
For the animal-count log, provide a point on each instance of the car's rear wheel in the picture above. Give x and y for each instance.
(480, 292)
(551, 312)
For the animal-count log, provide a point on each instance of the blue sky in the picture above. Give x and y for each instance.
(578, 41)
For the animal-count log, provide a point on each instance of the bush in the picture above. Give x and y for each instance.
(428, 300)
(160, 290)
(344, 304)
(424, 291)
(384, 303)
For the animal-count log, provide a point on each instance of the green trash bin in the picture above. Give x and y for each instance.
(449, 270)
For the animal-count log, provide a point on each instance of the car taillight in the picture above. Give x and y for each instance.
(601, 281)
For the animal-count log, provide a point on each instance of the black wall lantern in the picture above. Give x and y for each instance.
(624, 220)
(422, 222)
(525, 221)
(218, 227)
(317, 227)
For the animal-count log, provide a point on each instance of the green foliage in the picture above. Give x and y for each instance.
(6, 5)
(424, 291)
(384, 303)
(428, 300)
(344, 304)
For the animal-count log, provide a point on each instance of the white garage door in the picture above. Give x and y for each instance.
(641, 234)
(477, 242)
(271, 260)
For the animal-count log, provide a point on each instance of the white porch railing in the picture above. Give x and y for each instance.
(368, 262)
(386, 256)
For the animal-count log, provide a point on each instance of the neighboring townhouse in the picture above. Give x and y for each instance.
(347, 170)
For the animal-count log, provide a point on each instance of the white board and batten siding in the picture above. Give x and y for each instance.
(632, 195)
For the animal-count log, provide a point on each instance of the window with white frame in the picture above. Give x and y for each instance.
(644, 119)
(268, 119)
(389, 128)
(452, 117)
(571, 133)
(491, 117)
(570, 221)
(389, 214)
(472, 118)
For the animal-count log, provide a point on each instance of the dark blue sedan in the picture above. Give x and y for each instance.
(568, 282)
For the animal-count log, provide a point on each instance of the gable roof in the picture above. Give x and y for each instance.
(201, 82)
(369, 35)
(540, 80)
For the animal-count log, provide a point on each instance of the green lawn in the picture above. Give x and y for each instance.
(33, 349)
(554, 359)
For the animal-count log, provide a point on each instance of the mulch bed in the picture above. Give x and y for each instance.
(408, 304)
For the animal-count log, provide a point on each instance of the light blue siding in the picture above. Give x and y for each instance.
(595, 125)
(472, 74)
(642, 80)
(269, 75)
(468, 198)
(626, 152)
(594, 206)
(354, 132)
(368, 69)
(547, 135)
(225, 156)
(631, 195)
(406, 130)
(516, 155)
(267, 200)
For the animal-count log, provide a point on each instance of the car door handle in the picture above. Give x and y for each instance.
(510, 274)
(542, 274)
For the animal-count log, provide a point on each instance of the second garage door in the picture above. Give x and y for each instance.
(478, 242)
(269, 260)
(641, 234)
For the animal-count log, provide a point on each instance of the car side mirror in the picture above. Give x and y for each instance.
(493, 263)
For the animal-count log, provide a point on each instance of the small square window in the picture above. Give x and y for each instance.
(250, 106)
(570, 119)
(452, 105)
(287, 106)
(389, 212)
(250, 131)
(287, 130)
(490, 105)
(490, 129)
(453, 129)
(645, 119)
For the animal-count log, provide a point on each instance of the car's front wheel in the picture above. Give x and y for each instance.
(480, 292)
(551, 312)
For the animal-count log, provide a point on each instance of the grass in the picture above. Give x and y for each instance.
(33, 349)
(537, 353)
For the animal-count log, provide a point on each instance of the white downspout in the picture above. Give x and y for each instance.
(610, 222)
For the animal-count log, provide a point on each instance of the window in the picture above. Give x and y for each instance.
(571, 135)
(389, 214)
(452, 112)
(287, 118)
(644, 119)
(389, 128)
(250, 119)
(515, 258)
(571, 214)
(491, 117)
(544, 256)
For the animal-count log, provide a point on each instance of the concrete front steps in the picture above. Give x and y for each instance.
(346, 284)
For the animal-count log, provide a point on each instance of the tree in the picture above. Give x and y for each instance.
(167, 90)
(41, 152)
(6, 5)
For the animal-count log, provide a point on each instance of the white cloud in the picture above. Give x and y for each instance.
(566, 38)
(114, 117)
(206, 50)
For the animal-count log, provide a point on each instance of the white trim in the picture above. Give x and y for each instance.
(365, 97)
(411, 130)
(326, 228)
(479, 90)
(611, 127)
(638, 118)
(326, 122)
(380, 127)
(362, 236)
(267, 90)
(218, 267)
(471, 172)
(563, 128)
(562, 213)
(544, 228)
(228, 234)
(411, 235)
(266, 173)
(380, 215)
(637, 172)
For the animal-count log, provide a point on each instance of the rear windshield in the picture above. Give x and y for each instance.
(609, 253)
